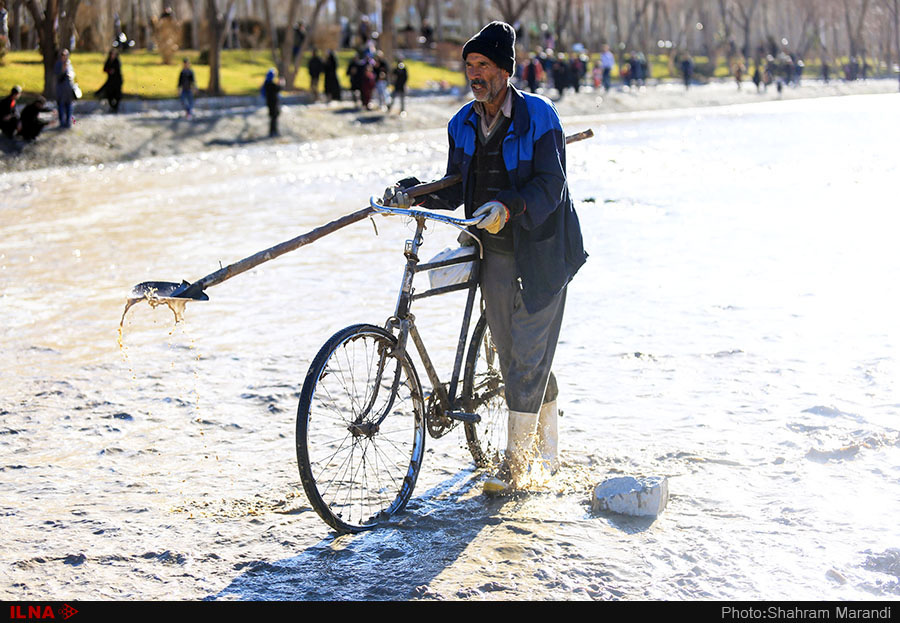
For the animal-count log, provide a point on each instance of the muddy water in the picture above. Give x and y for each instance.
(736, 330)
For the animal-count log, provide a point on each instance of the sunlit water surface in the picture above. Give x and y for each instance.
(735, 329)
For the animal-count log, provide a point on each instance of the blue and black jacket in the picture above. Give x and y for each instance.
(546, 233)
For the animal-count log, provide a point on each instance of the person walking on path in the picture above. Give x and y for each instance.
(315, 66)
(400, 77)
(271, 91)
(510, 150)
(687, 70)
(332, 85)
(187, 84)
(111, 90)
(65, 88)
(381, 80)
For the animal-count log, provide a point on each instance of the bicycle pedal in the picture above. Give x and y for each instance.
(471, 418)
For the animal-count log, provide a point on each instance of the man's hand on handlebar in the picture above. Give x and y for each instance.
(396, 195)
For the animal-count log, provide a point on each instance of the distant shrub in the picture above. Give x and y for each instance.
(704, 70)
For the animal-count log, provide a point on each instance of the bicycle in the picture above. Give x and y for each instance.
(363, 417)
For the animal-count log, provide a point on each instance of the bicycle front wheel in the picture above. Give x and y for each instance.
(360, 429)
(483, 392)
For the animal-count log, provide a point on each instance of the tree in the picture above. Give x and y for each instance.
(744, 19)
(854, 30)
(217, 31)
(55, 23)
(512, 10)
(282, 55)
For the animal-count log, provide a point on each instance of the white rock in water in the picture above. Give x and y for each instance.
(644, 497)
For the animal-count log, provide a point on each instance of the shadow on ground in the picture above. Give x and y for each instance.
(394, 562)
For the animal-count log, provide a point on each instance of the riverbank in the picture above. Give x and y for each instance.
(160, 129)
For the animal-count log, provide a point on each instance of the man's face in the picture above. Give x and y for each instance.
(485, 78)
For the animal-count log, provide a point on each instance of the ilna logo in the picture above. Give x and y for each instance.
(40, 612)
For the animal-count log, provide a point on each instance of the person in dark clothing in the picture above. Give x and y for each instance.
(366, 84)
(271, 91)
(356, 69)
(687, 70)
(32, 124)
(299, 39)
(187, 84)
(315, 66)
(9, 116)
(400, 76)
(533, 72)
(111, 90)
(332, 85)
(510, 150)
(561, 74)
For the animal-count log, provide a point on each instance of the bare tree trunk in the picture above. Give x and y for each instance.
(17, 25)
(563, 15)
(512, 10)
(196, 18)
(639, 12)
(46, 20)
(617, 23)
(217, 32)
(387, 39)
(854, 31)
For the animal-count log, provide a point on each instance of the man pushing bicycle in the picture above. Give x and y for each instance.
(510, 149)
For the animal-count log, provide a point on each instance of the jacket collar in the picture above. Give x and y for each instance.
(521, 120)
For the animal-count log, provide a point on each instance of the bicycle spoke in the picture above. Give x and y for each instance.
(360, 430)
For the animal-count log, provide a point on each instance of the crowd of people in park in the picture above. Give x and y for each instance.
(552, 72)
(377, 84)
(373, 82)
(561, 72)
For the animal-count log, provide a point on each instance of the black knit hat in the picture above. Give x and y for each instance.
(497, 41)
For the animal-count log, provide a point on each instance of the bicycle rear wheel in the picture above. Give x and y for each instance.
(483, 392)
(360, 429)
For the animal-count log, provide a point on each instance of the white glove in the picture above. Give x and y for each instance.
(494, 216)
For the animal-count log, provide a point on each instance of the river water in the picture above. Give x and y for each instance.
(735, 330)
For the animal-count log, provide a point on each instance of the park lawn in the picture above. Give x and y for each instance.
(144, 75)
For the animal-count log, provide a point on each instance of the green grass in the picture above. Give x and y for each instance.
(144, 75)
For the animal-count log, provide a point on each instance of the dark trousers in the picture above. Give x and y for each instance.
(526, 343)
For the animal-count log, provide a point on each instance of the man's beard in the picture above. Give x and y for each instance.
(490, 90)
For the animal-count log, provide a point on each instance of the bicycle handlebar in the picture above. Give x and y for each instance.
(461, 224)
(442, 218)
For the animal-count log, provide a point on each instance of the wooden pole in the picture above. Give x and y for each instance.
(311, 236)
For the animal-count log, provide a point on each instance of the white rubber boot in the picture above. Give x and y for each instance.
(521, 436)
(548, 436)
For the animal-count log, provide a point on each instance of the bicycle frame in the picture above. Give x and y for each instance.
(404, 321)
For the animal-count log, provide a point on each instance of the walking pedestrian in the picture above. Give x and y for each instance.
(607, 62)
(400, 76)
(332, 85)
(111, 90)
(187, 85)
(315, 66)
(65, 89)
(381, 79)
(271, 91)
(509, 148)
